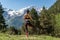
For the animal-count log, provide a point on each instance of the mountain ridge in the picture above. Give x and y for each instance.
(15, 18)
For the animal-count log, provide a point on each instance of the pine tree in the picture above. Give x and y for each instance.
(35, 21)
(2, 20)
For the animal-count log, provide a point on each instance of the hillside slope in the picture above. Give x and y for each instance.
(55, 8)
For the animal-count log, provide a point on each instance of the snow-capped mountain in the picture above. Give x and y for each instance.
(15, 18)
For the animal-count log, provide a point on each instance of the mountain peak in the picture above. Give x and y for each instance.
(12, 16)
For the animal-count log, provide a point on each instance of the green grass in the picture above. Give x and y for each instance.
(23, 37)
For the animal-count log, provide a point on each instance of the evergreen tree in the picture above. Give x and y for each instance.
(2, 20)
(55, 9)
(35, 21)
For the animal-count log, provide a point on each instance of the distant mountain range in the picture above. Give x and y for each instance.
(15, 18)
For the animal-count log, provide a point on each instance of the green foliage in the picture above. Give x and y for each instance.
(55, 8)
(57, 26)
(46, 21)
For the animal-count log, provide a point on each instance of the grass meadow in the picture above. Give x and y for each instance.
(23, 37)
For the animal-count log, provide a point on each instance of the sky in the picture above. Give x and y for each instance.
(19, 4)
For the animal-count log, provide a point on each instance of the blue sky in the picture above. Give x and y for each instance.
(19, 4)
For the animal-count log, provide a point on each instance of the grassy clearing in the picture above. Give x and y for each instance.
(23, 37)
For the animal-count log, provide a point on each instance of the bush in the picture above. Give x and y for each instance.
(12, 31)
